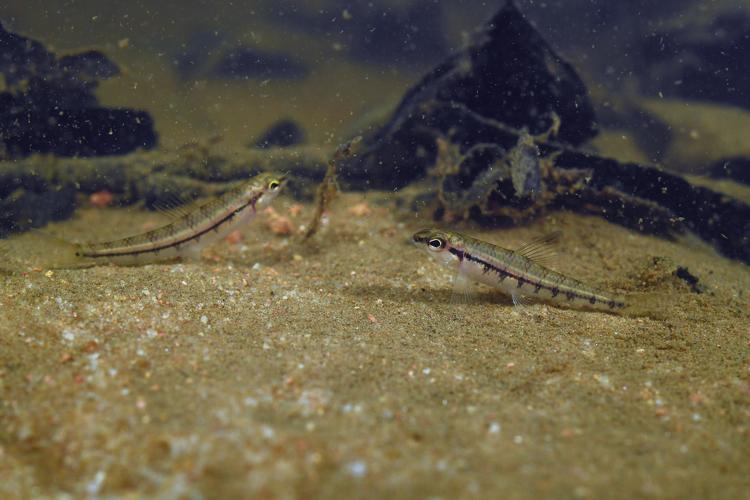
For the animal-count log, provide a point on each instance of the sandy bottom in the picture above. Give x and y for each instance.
(341, 367)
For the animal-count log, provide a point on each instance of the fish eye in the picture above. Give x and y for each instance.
(436, 244)
(274, 185)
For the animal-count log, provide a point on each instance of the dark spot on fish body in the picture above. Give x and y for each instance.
(537, 287)
(521, 281)
(592, 300)
(570, 295)
(611, 304)
(555, 291)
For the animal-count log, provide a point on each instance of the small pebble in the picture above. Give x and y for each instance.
(234, 237)
(357, 468)
(101, 199)
(281, 225)
(360, 210)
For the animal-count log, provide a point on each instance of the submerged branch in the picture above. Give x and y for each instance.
(329, 188)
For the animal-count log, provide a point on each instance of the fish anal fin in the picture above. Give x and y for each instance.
(541, 250)
(520, 300)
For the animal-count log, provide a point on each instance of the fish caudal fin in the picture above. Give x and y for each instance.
(39, 250)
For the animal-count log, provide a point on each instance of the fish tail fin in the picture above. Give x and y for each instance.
(36, 249)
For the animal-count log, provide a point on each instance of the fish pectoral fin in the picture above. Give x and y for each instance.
(541, 250)
(461, 289)
(519, 299)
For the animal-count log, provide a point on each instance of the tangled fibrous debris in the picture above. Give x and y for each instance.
(329, 188)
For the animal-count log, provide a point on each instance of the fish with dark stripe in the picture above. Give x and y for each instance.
(185, 236)
(518, 273)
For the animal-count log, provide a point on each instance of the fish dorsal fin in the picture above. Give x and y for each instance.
(541, 250)
(172, 206)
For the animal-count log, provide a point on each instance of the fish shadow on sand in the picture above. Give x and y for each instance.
(444, 296)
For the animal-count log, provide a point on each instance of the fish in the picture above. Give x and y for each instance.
(188, 233)
(518, 273)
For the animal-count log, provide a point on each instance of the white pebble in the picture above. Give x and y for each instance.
(357, 468)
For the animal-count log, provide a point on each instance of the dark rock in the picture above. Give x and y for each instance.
(709, 64)
(49, 105)
(509, 75)
(625, 192)
(75, 132)
(282, 134)
(91, 65)
(689, 278)
(244, 63)
(24, 209)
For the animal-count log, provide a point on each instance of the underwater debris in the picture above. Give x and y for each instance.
(525, 170)
(508, 54)
(660, 270)
(48, 104)
(329, 188)
(281, 134)
(690, 279)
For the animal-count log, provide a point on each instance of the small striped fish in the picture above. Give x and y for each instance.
(189, 232)
(515, 272)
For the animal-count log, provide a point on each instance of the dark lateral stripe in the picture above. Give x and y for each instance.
(127, 253)
(538, 285)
